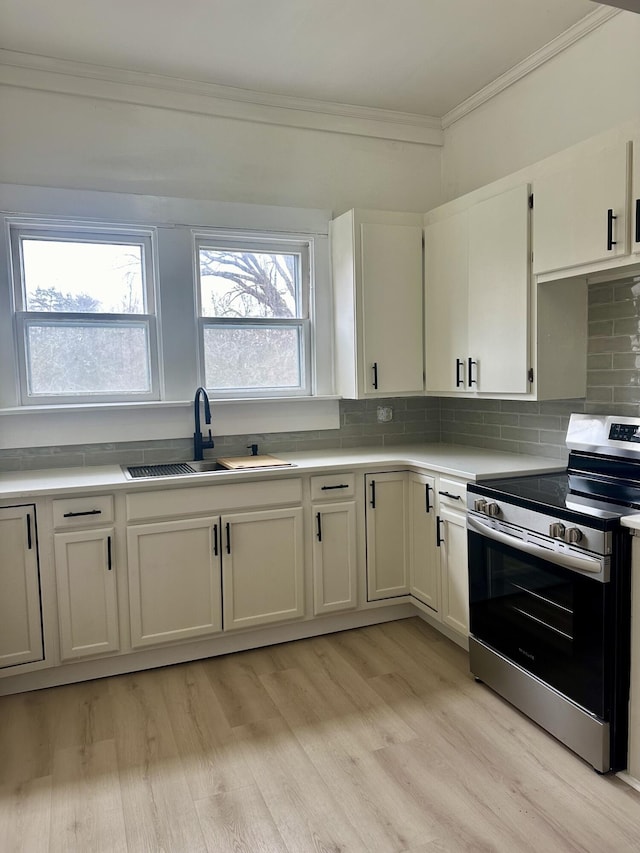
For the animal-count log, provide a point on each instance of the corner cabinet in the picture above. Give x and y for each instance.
(477, 297)
(488, 332)
(377, 285)
(20, 619)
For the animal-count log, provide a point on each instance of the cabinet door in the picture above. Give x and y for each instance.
(20, 626)
(87, 597)
(424, 566)
(174, 580)
(262, 567)
(335, 580)
(446, 289)
(571, 211)
(386, 516)
(391, 294)
(454, 570)
(499, 293)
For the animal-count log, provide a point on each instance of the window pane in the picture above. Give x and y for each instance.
(249, 284)
(87, 359)
(251, 357)
(61, 275)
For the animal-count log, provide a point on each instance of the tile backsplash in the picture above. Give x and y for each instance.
(613, 387)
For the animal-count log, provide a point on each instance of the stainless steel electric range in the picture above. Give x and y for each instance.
(549, 588)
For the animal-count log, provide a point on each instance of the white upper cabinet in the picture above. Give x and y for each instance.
(581, 210)
(498, 302)
(377, 281)
(477, 297)
(446, 261)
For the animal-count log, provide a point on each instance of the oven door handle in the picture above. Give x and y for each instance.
(573, 562)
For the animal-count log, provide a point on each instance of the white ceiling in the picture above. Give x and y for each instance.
(418, 56)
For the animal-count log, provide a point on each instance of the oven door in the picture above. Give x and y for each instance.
(548, 619)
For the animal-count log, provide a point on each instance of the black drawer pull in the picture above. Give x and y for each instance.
(459, 380)
(439, 538)
(449, 495)
(375, 375)
(109, 560)
(373, 495)
(29, 539)
(341, 486)
(319, 520)
(215, 540)
(87, 512)
(228, 526)
(427, 502)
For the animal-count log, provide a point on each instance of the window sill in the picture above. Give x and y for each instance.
(89, 423)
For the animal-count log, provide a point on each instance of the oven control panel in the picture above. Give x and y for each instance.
(624, 432)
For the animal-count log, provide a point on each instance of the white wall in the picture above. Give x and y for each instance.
(60, 140)
(589, 88)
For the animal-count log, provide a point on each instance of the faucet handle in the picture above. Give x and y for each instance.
(210, 440)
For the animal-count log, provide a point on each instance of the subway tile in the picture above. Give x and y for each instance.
(604, 328)
(600, 361)
(599, 394)
(383, 429)
(10, 463)
(540, 421)
(519, 434)
(561, 407)
(354, 417)
(624, 409)
(549, 450)
(114, 457)
(612, 311)
(598, 294)
(627, 395)
(551, 436)
(626, 326)
(626, 361)
(613, 377)
(368, 441)
(524, 407)
(502, 418)
(53, 460)
(620, 343)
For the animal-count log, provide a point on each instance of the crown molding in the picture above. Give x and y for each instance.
(30, 71)
(578, 31)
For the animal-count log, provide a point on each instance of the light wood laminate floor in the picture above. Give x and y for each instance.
(375, 740)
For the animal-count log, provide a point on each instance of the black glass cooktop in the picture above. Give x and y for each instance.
(548, 492)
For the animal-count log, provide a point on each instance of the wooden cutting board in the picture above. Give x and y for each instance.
(266, 461)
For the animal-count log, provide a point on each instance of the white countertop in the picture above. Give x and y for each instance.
(631, 521)
(469, 463)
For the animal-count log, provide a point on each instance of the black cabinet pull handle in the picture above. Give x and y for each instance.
(373, 494)
(375, 375)
(228, 526)
(449, 495)
(328, 488)
(87, 512)
(427, 503)
(638, 220)
(472, 364)
(29, 538)
(319, 522)
(439, 538)
(215, 540)
(109, 560)
(459, 379)
(610, 241)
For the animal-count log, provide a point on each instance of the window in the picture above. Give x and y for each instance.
(253, 306)
(84, 313)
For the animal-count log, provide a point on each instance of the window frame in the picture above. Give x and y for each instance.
(83, 232)
(270, 243)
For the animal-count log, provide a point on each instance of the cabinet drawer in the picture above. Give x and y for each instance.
(207, 500)
(332, 487)
(93, 511)
(452, 493)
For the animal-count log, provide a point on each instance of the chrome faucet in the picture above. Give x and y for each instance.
(200, 443)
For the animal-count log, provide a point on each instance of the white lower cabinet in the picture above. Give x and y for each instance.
(87, 594)
(452, 538)
(20, 623)
(386, 520)
(424, 565)
(335, 578)
(262, 567)
(174, 580)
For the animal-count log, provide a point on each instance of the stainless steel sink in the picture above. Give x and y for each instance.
(173, 469)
